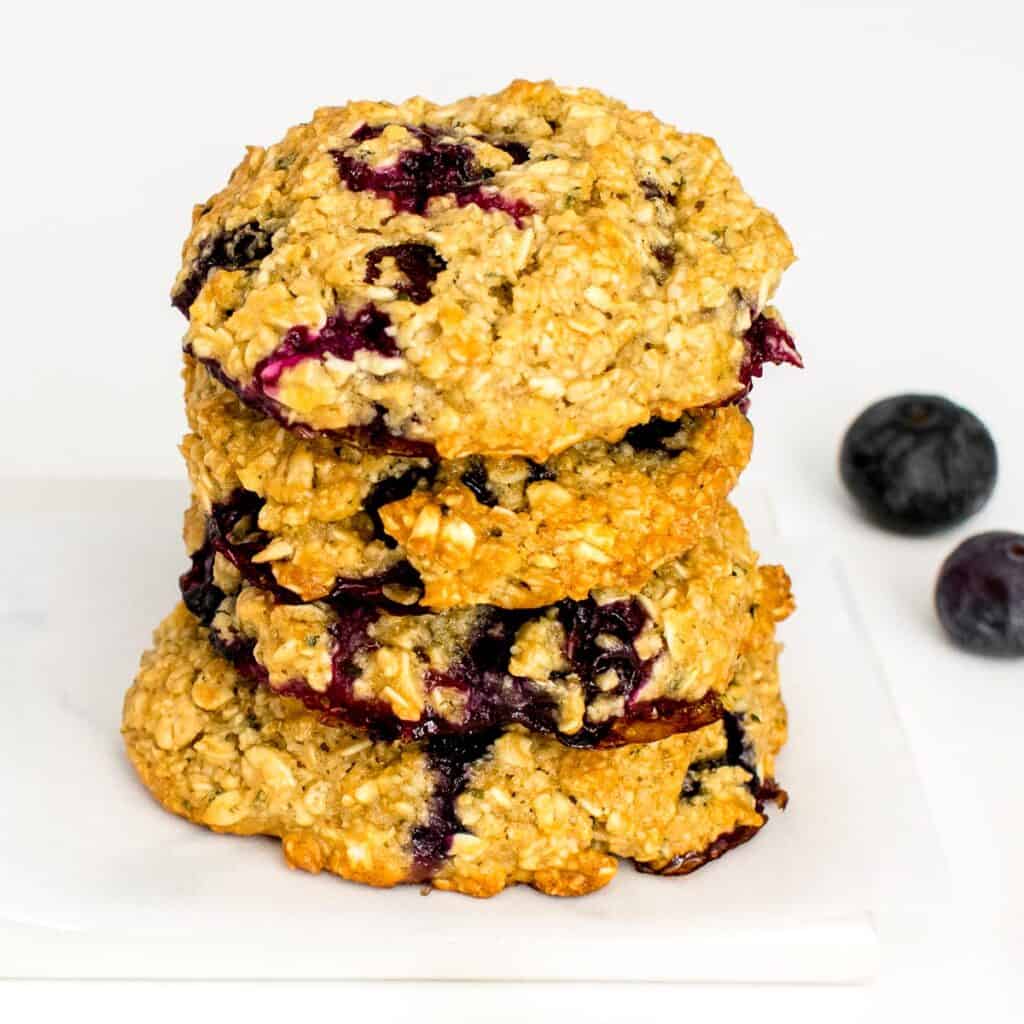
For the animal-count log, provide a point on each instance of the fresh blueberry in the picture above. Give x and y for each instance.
(980, 594)
(918, 463)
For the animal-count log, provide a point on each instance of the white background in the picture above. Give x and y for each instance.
(888, 139)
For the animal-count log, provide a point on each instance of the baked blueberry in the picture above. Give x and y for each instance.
(766, 341)
(436, 168)
(652, 435)
(475, 478)
(918, 463)
(419, 264)
(979, 595)
(553, 266)
(472, 814)
(240, 247)
(341, 337)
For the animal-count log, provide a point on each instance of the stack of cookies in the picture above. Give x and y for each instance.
(467, 603)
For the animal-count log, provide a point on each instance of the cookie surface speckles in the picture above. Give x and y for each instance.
(506, 275)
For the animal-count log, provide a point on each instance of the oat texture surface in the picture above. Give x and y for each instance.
(520, 809)
(478, 530)
(508, 274)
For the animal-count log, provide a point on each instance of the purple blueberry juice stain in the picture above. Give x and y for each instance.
(652, 190)
(437, 168)
(392, 489)
(538, 471)
(340, 337)
(373, 436)
(199, 592)
(739, 753)
(202, 596)
(419, 264)
(666, 256)
(739, 750)
(519, 151)
(229, 250)
(350, 638)
(449, 759)
(239, 651)
(368, 131)
(767, 341)
(687, 863)
(476, 481)
(493, 698)
(652, 435)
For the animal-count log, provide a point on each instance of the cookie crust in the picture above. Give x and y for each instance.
(508, 532)
(221, 753)
(614, 668)
(506, 275)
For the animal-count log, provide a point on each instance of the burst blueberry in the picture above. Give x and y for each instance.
(340, 336)
(419, 264)
(476, 480)
(439, 167)
(767, 341)
(228, 250)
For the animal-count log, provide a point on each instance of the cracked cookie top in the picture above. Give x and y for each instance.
(505, 275)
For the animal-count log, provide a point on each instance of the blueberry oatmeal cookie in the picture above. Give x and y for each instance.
(469, 814)
(507, 275)
(613, 668)
(324, 517)
(468, 605)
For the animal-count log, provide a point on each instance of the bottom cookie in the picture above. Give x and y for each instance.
(472, 814)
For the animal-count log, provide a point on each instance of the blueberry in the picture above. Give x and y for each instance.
(918, 463)
(392, 489)
(475, 478)
(979, 595)
(340, 336)
(766, 341)
(437, 168)
(652, 435)
(241, 247)
(418, 263)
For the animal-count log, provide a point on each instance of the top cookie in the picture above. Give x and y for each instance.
(505, 275)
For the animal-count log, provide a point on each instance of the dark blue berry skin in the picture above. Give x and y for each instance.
(917, 464)
(979, 595)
